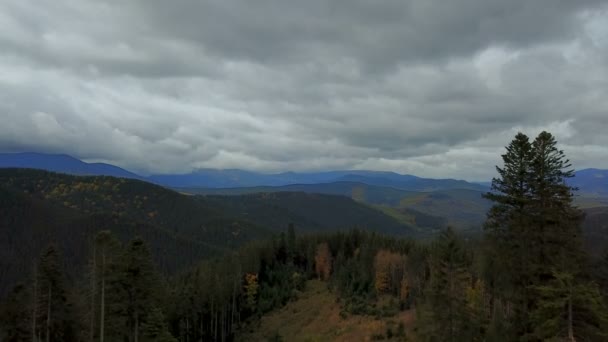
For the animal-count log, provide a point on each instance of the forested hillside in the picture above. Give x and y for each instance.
(311, 213)
(39, 207)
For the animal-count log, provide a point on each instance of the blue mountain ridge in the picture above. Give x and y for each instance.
(590, 181)
(62, 163)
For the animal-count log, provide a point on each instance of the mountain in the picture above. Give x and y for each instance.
(213, 178)
(210, 178)
(61, 163)
(591, 182)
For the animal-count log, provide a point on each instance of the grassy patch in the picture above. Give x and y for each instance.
(316, 317)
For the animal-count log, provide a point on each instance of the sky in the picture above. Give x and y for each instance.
(432, 88)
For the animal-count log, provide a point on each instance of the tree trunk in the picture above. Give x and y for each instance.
(35, 305)
(48, 315)
(202, 330)
(136, 332)
(187, 329)
(102, 314)
(570, 328)
(93, 292)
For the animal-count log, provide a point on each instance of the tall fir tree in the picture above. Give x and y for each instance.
(557, 230)
(535, 228)
(141, 286)
(509, 230)
(104, 271)
(444, 315)
(57, 321)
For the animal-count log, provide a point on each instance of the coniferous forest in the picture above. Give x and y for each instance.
(527, 276)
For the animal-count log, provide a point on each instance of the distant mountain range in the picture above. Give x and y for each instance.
(591, 182)
(62, 163)
(232, 178)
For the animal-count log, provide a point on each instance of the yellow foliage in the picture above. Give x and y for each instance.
(390, 270)
(323, 261)
(251, 289)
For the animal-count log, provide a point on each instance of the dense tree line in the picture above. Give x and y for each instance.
(527, 279)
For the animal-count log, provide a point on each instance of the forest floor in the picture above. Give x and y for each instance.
(315, 316)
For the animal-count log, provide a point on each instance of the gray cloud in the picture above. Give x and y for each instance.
(426, 87)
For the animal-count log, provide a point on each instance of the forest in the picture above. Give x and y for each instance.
(526, 277)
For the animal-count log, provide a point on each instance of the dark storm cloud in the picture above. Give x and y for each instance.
(426, 87)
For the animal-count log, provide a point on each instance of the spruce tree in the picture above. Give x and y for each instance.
(142, 286)
(557, 232)
(103, 274)
(55, 311)
(509, 230)
(444, 315)
(535, 228)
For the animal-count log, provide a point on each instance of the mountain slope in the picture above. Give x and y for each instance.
(28, 224)
(461, 208)
(39, 207)
(61, 163)
(310, 212)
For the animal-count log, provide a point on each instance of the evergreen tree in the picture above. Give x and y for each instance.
(155, 328)
(444, 316)
(602, 274)
(103, 274)
(141, 285)
(535, 229)
(55, 311)
(509, 230)
(291, 242)
(557, 232)
(569, 308)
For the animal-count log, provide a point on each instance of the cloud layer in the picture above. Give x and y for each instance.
(426, 87)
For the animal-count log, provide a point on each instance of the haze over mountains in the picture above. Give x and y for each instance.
(589, 181)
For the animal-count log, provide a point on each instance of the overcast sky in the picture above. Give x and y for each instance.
(433, 88)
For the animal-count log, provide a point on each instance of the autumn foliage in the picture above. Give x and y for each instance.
(323, 261)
